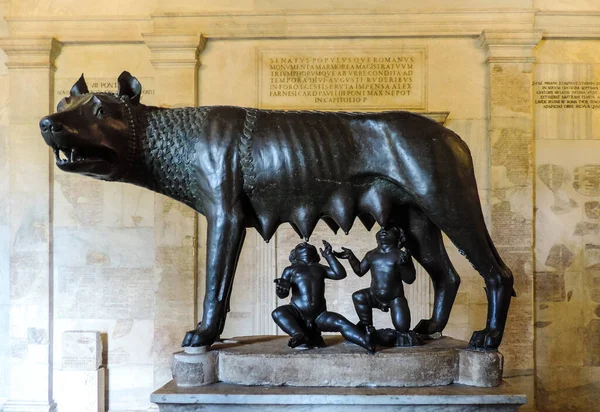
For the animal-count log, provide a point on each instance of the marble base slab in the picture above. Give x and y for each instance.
(267, 360)
(222, 397)
(81, 391)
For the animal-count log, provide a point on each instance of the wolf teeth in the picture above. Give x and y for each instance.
(63, 156)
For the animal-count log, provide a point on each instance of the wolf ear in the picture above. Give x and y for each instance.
(79, 87)
(129, 86)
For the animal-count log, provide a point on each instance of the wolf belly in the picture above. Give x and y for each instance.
(300, 167)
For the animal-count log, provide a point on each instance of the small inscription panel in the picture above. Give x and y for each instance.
(567, 94)
(101, 84)
(567, 101)
(81, 350)
(342, 79)
(586, 180)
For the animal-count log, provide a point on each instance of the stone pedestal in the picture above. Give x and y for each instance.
(81, 384)
(81, 390)
(262, 373)
(268, 360)
(81, 350)
(195, 367)
(222, 397)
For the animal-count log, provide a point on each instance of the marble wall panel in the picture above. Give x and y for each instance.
(4, 235)
(4, 349)
(128, 387)
(128, 248)
(566, 282)
(565, 96)
(175, 223)
(81, 201)
(4, 251)
(127, 206)
(126, 341)
(175, 311)
(511, 182)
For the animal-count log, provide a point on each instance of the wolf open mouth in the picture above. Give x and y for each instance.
(73, 156)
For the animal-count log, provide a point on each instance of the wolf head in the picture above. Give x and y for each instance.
(94, 134)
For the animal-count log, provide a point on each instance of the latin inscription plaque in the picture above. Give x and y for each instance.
(81, 350)
(567, 101)
(567, 94)
(337, 79)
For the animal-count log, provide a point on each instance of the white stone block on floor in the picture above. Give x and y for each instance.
(81, 350)
(80, 391)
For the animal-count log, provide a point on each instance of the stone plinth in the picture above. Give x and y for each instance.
(81, 383)
(81, 391)
(81, 350)
(339, 364)
(479, 368)
(268, 361)
(195, 368)
(222, 397)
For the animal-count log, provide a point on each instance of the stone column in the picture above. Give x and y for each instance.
(510, 133)
(175, 60)
(30, 166)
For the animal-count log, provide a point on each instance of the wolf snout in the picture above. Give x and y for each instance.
(47, 125)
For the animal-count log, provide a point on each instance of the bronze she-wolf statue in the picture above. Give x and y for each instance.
(244, 167)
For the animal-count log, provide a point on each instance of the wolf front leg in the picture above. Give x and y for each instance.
(225, 238)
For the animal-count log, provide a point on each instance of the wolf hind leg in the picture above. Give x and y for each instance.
(470, 236)
(424, 240)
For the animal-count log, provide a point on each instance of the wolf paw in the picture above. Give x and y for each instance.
(427, 327)
(486, 339)
(199, 337)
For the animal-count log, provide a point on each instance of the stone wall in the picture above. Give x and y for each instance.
(4, 263)
(82, 254)
(567, 281)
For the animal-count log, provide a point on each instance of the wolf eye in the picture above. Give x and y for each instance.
(100, 112)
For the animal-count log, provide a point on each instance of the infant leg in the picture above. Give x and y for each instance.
(289, 320)
(334, 322)
(364, 307)
(400, 314)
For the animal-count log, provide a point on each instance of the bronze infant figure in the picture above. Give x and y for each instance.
(249, 168)
(307, 316)
(390, 267)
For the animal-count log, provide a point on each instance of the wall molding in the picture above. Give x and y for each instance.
(510, 47)
(82, 29)
(30, 53)
(174, 50)
(293, 24)
(363, 23)
(568, 24)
